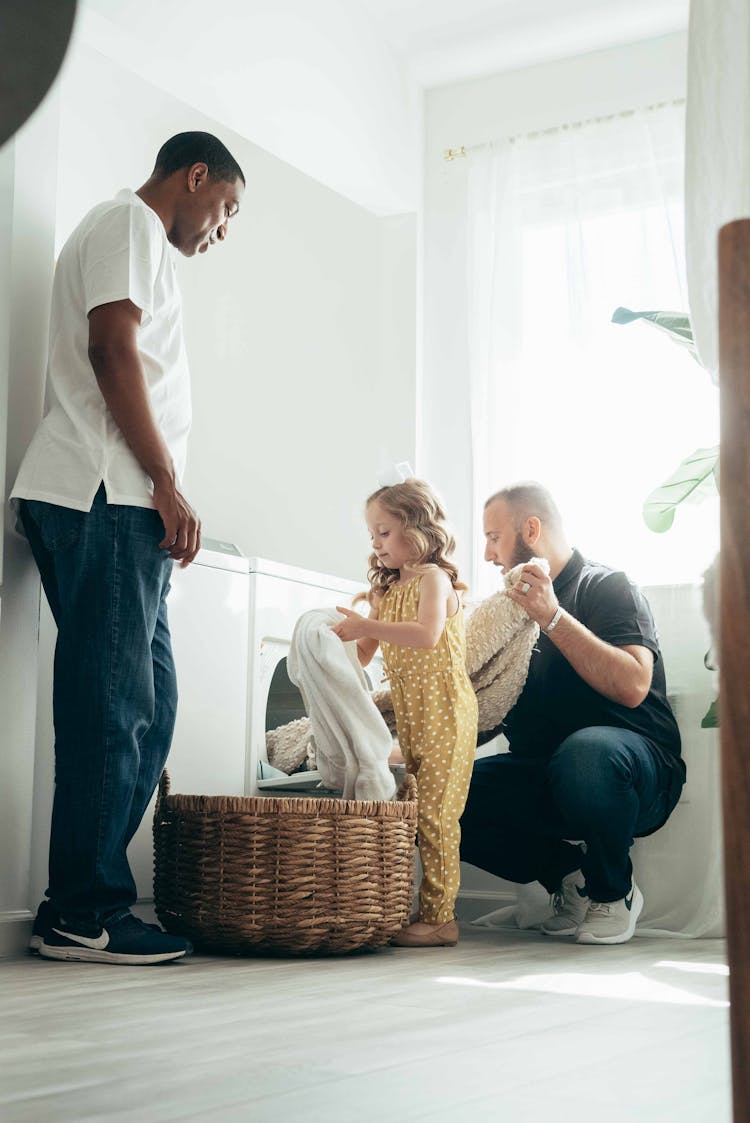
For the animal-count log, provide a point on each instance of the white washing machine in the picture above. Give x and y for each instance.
(279, 595)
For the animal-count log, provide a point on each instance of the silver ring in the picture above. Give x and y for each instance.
(524, 586)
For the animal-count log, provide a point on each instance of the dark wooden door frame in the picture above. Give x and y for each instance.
(734, 709)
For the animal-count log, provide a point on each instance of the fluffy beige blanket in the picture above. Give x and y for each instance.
(500, 637)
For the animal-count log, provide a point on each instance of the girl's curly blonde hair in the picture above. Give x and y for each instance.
(423, 519)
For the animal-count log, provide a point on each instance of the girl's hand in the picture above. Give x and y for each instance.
(353, 628)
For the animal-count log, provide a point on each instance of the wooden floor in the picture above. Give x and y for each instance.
(507, 1026)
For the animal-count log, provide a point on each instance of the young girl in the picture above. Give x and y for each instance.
(416, 618)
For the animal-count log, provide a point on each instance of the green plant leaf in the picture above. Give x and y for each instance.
(694, 479)
(711, 718)
(676, 325)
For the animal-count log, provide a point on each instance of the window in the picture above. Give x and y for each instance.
(565, 227)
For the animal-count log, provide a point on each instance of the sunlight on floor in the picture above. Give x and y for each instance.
(695, 968)
(631, 986)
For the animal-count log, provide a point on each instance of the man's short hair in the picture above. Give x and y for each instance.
(185, 149)
(530, 498)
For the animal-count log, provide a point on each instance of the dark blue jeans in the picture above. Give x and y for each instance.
(602, 786)
(114, 693)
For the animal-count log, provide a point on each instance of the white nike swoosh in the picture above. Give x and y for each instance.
(99, 944)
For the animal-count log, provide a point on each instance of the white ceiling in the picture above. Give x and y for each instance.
(334, 87)
(447, 41)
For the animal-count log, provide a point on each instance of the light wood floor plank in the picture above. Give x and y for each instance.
(506, 1025)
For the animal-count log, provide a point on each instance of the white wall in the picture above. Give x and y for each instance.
(315, 84)
(27, 215)
(300, 329)
(471, 113)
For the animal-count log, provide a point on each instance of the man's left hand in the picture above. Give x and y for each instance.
(535, 593)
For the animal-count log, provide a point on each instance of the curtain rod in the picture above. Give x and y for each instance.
(458, 153)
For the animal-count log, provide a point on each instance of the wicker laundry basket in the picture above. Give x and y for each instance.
(242, 874)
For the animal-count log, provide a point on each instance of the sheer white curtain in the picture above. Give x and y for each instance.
(717, 152)
(563, 227)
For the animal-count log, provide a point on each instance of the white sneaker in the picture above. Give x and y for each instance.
(570, 905)
(611, 922)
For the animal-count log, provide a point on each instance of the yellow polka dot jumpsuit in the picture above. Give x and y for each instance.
(436, 720)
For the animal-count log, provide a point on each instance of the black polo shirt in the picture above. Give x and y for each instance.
(556, 701)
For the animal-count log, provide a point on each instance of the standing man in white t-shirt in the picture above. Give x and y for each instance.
(100, 499)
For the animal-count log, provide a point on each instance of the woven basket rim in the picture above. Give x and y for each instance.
(402, 807)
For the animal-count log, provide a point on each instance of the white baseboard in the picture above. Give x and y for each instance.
(15, 929)
(472, 903)
(144, 910)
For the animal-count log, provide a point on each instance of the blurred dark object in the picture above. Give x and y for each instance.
(34, 36)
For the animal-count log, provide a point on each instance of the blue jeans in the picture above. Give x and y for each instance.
(114, 693)
(602, 786)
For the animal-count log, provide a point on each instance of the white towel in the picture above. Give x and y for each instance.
(532, 907)
(352, 741)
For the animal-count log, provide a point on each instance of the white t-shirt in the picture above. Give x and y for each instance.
(119, 251)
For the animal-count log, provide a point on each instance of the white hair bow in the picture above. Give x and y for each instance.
(395, 475)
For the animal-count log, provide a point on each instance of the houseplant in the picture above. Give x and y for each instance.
(695, 477)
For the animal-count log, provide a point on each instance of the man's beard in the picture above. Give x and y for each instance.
(521, 553)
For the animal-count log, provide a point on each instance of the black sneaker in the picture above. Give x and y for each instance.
(126, 940)
(46, 916)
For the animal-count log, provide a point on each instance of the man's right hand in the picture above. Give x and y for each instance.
(182, 527)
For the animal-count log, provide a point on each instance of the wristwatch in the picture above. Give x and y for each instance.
(554, 621)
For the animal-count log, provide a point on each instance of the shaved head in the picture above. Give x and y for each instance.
(528, 499)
